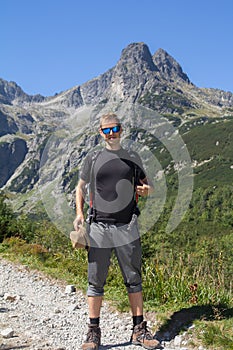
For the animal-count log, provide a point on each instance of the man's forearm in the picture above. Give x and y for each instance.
(80, 194)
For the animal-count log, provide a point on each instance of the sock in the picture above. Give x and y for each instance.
(95, 321)
(137, 320)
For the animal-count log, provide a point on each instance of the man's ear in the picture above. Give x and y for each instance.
(101, 132)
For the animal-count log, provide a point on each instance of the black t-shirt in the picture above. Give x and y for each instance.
(114, 175)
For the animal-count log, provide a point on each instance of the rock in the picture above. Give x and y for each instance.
(168, 67)
(57, 311)
(12, 155)
(73, 307)
(178, 340)
(70, 289)
(7, 333)
(11, 298)
(7, 125)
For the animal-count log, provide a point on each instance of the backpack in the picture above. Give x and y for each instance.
(91, 211)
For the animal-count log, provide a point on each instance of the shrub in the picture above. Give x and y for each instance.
(7, 219)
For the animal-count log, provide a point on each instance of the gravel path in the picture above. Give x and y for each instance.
(43, 315)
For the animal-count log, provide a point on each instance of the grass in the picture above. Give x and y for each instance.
(177, 296)
(210, 140)
(215, 334)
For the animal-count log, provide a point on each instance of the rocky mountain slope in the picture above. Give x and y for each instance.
(44, 139)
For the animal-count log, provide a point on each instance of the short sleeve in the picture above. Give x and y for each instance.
(86, 169)
(141, 171)
(139, 166)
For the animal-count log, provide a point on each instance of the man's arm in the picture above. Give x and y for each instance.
(80, 196)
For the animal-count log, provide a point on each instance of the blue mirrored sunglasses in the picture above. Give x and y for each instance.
(114, 129)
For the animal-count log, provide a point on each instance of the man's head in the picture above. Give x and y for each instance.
(110, 129)
(109, 118)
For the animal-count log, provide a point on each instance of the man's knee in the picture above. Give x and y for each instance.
(134, 288)
(94, 291)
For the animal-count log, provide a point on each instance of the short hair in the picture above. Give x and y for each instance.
(108, 118)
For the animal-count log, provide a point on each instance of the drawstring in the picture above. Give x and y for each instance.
(132, 222)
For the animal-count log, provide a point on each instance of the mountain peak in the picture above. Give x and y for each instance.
(10, 91)
(134, 68)
(138, 53)
(169, 68)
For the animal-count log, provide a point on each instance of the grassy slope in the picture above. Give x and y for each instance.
(212, 142)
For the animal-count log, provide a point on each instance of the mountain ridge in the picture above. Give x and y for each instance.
(160, 62)
(156, 82)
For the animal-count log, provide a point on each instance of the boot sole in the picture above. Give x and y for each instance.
(158, 346)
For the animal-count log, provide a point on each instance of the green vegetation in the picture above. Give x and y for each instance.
(71, 178)
(211, 337)
(188, 269)
(23, 182)
(187, 274)
(172, 101)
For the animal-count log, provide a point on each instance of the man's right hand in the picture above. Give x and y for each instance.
(79, 220)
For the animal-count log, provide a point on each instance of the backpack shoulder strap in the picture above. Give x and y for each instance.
(133, 156)
(94, 157)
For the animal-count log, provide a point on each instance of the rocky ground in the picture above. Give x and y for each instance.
(39, 313)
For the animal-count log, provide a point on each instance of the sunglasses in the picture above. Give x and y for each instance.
(114, 129)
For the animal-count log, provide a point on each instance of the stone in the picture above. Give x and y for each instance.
(177, 340)
(11, 298)
(57, 311)
(70, 289)
(7, 333)
(73, 307)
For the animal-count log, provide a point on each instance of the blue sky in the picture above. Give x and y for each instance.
(48, 46)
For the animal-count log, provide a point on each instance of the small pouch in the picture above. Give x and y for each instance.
(80, 239)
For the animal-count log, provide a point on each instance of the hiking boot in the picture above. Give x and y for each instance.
(92, 341)
(141, 336)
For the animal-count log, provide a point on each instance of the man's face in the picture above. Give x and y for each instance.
(111, 132)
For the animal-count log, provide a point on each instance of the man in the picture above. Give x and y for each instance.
(115, 176)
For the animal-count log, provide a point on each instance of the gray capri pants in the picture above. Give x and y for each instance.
(124, 240)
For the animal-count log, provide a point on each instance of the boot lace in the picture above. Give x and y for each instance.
(144, 332)
(93, 336)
